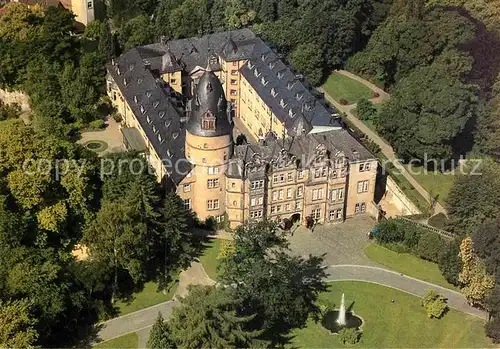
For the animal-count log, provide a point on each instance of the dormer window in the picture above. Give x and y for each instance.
(263, 57)
(156, 104)
(160, 139)
(208, 121)
(283, 103)
(264, 81)
(273, 92)
(256, 72)
(291, 113)
(131, 67)
(272, 65)
(118, 71)
(155, 131)
(142, 109)
(175, 135)
(161, 114)
(135, 99)
(125, 82)
(169, 154)
(148, 119)
(139, 80)
(250, 65)
(290, 85)
(168, 123)
(148, 94)
(280, 75)
(299, 96)
(308, 106)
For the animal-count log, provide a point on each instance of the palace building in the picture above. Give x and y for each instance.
(182, 103)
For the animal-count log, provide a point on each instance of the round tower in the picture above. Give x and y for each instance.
(209, 145)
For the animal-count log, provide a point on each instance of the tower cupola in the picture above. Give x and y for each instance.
(210, 115)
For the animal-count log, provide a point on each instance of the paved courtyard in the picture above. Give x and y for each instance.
(342, 243)
(111, 135)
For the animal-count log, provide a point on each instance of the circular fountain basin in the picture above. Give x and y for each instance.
(329, 321)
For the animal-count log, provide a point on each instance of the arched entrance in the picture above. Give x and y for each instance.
(295, 218)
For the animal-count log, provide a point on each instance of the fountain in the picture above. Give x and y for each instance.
(337, 319)
(341, 319)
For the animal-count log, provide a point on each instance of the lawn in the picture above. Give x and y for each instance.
(148, 297)
(209, 258)
(130, 340)
(436, 182)
(402, 324)
(341, 87)
(407, 264)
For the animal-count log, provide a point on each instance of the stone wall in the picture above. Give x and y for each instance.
(395, 202)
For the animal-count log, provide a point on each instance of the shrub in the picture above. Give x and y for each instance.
(412, 236)
(365, 110)
(389, 231)
(434, 304)
(227, 248)
(430, 246)
(117, 117)
(96, 125)
(344, 101)
(349, 335)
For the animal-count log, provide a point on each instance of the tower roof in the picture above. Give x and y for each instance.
(209, 104)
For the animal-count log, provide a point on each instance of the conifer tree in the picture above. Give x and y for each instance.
(159, 335)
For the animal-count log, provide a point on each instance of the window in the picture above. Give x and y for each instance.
(360, 207)
(282, 177)
(213, 183)
(204, 160)
(289, 176)
(233, 92)
(341, 194)
(333, 194)
(213, 170)
(287, 207)
(213, 204)
(187, 204)
(208, 124)
(90, 4)
(279, 178)
(300, 192)
(363, 186)
(317, 194)
(364, 167)
(273, 209)
(234, 72)
(187, 187)
(234, 82)
(172, 81)
(298, 205)
(280, 195)
(275, 195)
(336, 214)
(316, 213)
(253, 202)
(289, 193)
(257, 184)
(324, 171)
(278, 208)
(334, 174)
(256, 214)
(317, 173)
(261, 200)
(300, 174)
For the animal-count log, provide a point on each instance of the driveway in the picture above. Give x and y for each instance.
(342, 243)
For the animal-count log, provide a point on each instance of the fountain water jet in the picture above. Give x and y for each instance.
(341, 320)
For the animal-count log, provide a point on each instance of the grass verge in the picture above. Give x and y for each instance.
(147, 297)
(407, 264)
(402, 324)
(209, 258)
(342, 87)
(130, 340)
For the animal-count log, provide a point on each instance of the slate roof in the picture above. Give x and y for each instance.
(149, 100)
(303, 148)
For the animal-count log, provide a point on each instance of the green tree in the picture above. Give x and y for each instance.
(307, 58)
(16, 324)
(135, 32)
(281, 289)
(429, 246)
(209, 318)
(428, 114)
(190, 19)
(119, 239)
(159, 337)
(450, 263)
(474, 197)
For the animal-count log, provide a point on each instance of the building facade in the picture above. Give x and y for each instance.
(83, 9)
(181, 98)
